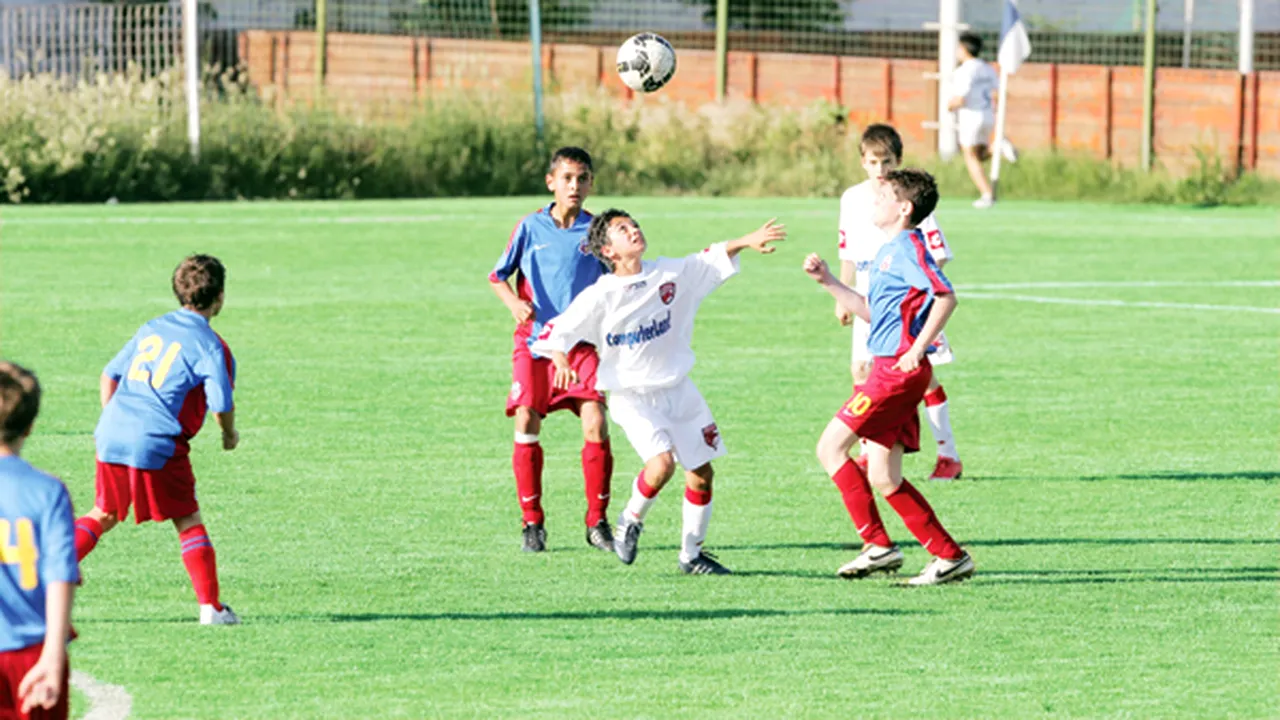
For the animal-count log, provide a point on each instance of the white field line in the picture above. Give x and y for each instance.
(1117, 303)
(106, 701)
(1120, 284)
(352, 219)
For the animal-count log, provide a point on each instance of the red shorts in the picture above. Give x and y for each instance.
(14, 666)
(159, 495)
(532, 379)
(884, 408)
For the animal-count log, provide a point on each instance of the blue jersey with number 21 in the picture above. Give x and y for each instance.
(173, 371)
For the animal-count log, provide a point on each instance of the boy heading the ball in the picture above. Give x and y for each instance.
(548, 257)
(860, 240)
(38, 568)
(155, 394)
(641, 317)
(910, 301)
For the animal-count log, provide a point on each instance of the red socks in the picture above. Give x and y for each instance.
(202, 566)
(527, 462)
(923, 523)
(935, 397)
(88, 531)
(855, 490)
(597, 472)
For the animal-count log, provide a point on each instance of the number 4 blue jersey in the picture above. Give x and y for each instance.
(37, 547)
(173, 371)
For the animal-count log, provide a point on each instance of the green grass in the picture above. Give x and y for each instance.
(1121, 494)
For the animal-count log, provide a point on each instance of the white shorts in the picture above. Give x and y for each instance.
(674, 419)
(939, 352)
(973, 127)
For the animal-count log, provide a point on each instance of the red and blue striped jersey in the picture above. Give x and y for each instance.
(904, 280)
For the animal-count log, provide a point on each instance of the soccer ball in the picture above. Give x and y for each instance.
(646, 62)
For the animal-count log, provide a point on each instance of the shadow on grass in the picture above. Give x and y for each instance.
(1107, 577)
(634, 614)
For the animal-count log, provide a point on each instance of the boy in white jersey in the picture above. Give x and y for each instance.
(860, 240)
(971, 86)
(641, 320)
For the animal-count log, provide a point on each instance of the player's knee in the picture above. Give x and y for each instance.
(595, 427)
(699, 480)
(831, 455)
(528, 422)
(663, 466)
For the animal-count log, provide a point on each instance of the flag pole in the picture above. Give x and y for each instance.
(999, 141)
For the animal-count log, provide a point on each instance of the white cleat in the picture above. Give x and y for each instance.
(984, 202)
(1009, 152)
(872, 559)
(940, 571)
(212, 616)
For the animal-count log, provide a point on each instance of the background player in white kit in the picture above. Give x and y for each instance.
(860, 240)
(640, 318)
(971, 86)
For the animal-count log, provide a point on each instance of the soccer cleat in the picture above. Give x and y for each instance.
(940, 571)
(600, 536)
(872, 559)
(625, 538)
(984, 202)
(1009, 152)
(704, 564)
(209, 615)
(947, 469)
(535, 538)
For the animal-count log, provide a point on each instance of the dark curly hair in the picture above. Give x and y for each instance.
(916, 187)
(198, 281)
(19, 401)
(598, 233)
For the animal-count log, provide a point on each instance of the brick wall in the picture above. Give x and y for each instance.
(1079, 108)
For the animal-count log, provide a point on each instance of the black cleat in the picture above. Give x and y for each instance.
(535, 537)
(704, 564)
(600, 536)
(625, 539)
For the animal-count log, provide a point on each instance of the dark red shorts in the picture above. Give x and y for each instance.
(164, 494)
(532, 379)
(884, 408)
(14, 666)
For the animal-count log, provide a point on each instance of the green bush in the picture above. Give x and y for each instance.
(124, 137)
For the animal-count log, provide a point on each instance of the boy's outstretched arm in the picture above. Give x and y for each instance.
(816, 268)
(772, 231)
(943, 305)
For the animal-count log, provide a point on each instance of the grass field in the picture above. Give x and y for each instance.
(1115, 399)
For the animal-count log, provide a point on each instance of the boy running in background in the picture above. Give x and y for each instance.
(155, 393)
(641, 318)
(860, 240)
(908, 305)
(547, 255)
(38, 569)
(972, 85)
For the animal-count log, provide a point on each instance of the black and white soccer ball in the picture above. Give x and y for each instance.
(646, 62)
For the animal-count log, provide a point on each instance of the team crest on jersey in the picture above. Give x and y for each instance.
(711, 435)
(667, 291)
(584, 247)
(886, 263)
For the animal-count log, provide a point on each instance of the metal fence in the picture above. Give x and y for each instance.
(72, 39)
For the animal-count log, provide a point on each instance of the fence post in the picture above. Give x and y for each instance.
(1148, 85)
(535, 40)
(322, 49)
(722, 47)
(191, 58)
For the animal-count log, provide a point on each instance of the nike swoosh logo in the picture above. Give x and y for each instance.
(540, 247)
(863, 528)
(531, 498)
(603, 497)
(953, 569)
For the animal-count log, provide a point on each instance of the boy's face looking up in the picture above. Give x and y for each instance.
(878, 163)
(626, 241)
(570, 181)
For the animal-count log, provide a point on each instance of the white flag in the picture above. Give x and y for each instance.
(1015, 46)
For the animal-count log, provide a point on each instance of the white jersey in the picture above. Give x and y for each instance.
(860, 239)
(974, 80)
(641, 325)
